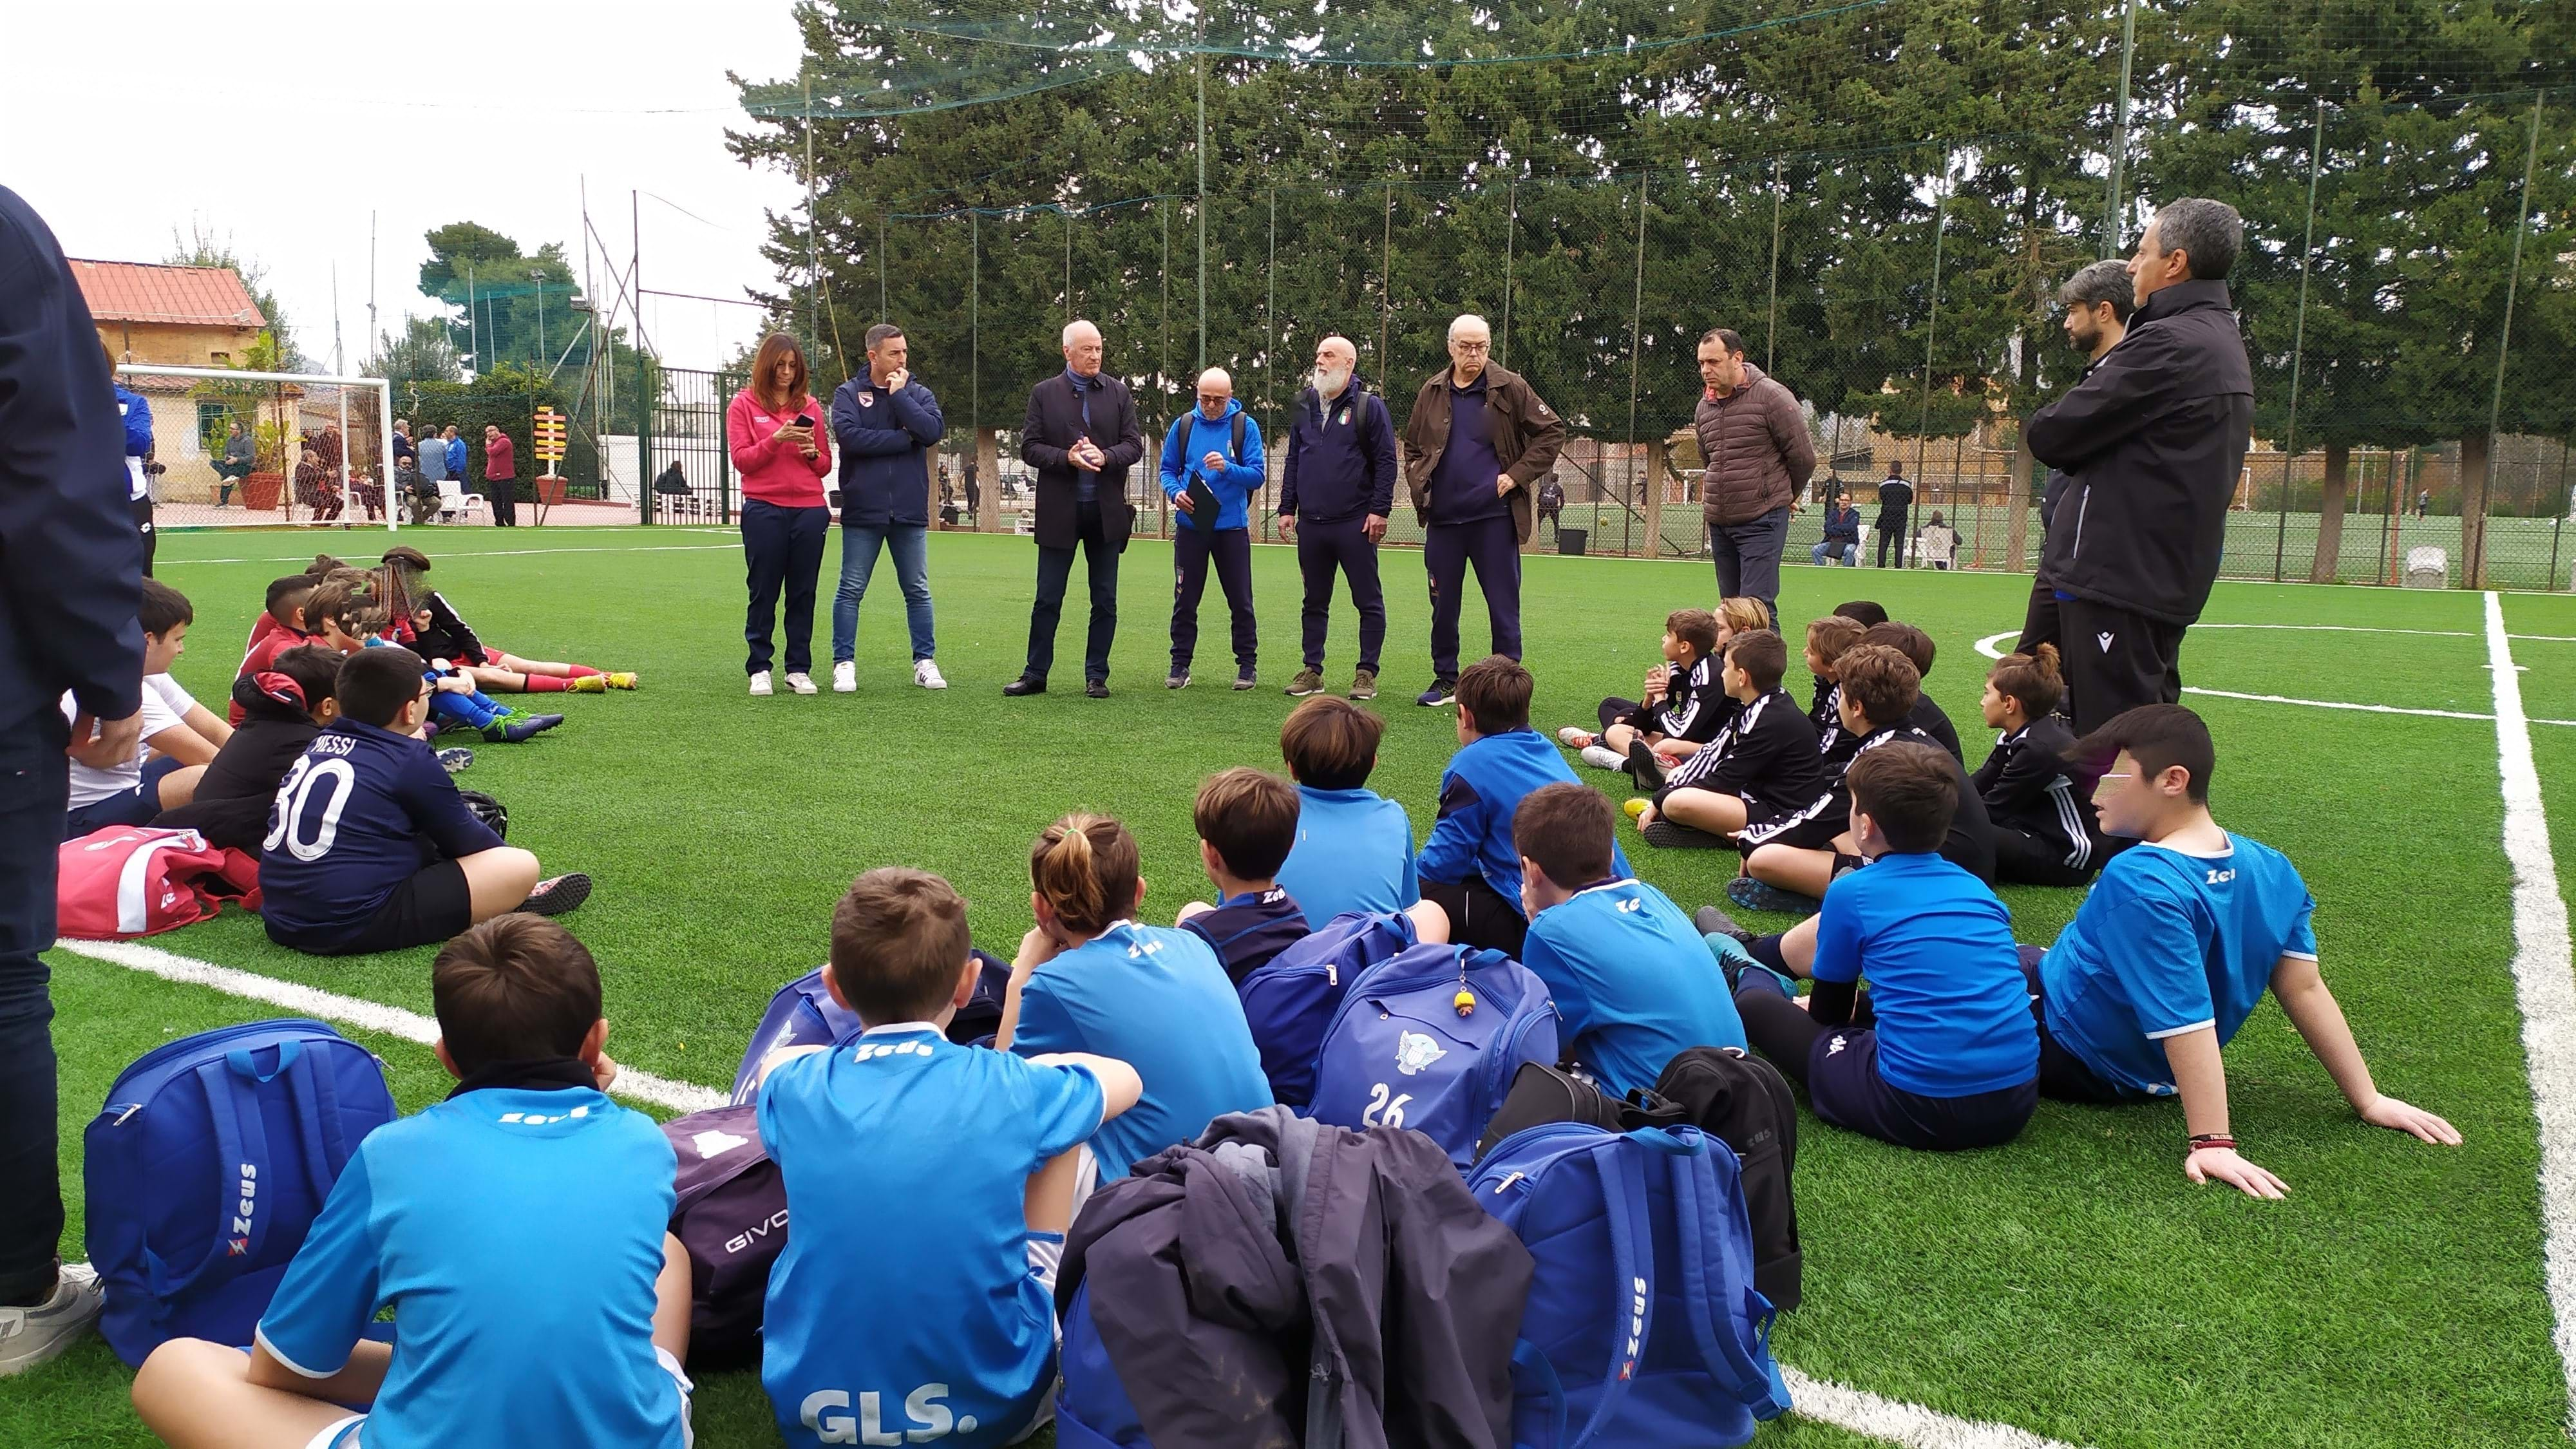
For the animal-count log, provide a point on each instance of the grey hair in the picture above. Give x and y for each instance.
(2209, 232)
(1071, 327)
(2100, 282)
(1466, 317)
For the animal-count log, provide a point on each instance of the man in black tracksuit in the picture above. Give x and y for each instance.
(2154, 437)
(1334, 497)
(2098, 300)
(1895, 500)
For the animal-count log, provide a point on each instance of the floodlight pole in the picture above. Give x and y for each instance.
(2120, 128)
(2298, 352)
(1771, 332)
(813, 226)
(2477, 566)
(1202, 160)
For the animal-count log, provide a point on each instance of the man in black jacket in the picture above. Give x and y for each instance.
(1895, 501)
(1335, 494)
(71, 583)
(2154, 437)
(2098, 301)
(1081, 437)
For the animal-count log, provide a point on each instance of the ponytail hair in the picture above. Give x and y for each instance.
(1085, 867)
(2032, 678)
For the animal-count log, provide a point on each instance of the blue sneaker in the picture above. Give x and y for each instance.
(1756, 895)
(1442, 692)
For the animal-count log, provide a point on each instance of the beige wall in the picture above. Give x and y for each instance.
(177, 345)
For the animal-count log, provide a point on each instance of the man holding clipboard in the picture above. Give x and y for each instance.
(1212, 464)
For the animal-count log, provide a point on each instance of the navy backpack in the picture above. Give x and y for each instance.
(208, 1165)
(1092, 1410)
(1430, 1039)
(803, 1014)
(1290, 999)
(1643, 1326)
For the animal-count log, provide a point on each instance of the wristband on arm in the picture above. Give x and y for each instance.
(2202, 1140)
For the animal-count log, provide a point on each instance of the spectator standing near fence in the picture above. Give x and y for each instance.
(430, 459)
(455, 456)
(501, 476)
(1895, 501)
(782, 453)
(2098, 301)
(1336, 491)
(2155, 437)
(886, 422)
(1754, 442)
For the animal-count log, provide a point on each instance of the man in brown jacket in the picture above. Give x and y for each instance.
(1754, 441)
(1476, 445)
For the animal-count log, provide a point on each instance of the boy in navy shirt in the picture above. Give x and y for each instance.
(2173, 948)
(519, 1230)
(1469, 867)
(1247, 822)
(1354, 849)
(1630, 976)
(1763, 764)
(369, 846)
(930, 1185)
(1940, 1054)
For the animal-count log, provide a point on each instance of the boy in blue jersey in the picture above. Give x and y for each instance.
(1089, 979)
(1469, 867)
(1941, 1054)
(1212, 462)
(930, 1185)
(1354, 849)
(1247, 822)
(369, 846)
(2173, 948)
(518, 1230)
(1629, 974)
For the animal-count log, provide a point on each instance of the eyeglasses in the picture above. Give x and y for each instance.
(1208, 399)
(1473, 346)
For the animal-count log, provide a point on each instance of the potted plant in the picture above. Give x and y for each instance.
(265, 485)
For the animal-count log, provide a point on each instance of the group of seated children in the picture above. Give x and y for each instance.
(1685, 705)
(127, 780)
(931, 1184)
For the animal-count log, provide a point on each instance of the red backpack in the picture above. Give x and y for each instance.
(133, 880)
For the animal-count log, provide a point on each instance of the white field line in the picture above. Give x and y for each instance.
(2544, 989)
(351, 1011)
(488, 553)
(1910, 1425)
(1991, 646)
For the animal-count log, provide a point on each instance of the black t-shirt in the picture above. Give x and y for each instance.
(1248, 930)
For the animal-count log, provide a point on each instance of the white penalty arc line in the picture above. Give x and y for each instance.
(391, 1021)
(1911, 1425)
(2544, 989)
(1991, 647)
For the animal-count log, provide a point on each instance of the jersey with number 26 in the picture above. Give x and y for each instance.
(346, 827)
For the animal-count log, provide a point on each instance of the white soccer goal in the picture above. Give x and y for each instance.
(200, 477)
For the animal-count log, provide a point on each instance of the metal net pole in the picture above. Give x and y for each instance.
(2298, 350)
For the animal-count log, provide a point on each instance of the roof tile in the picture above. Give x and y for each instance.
(147, 292)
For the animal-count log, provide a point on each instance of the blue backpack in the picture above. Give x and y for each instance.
(1290, 999)
(208, 1165)
(803, 1014)
(1092, 1410)
(1643, 1325)
(1401, 1052)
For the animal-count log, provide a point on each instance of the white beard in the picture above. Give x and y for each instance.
(1329, 385)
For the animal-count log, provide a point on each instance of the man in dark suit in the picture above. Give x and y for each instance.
(71, 580)
(1081, 437)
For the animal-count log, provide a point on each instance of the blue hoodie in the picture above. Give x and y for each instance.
(1193, 436)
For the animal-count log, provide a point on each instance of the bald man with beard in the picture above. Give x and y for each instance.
(1212, 465)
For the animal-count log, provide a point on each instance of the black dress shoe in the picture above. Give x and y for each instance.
(1025, 684)
(1096, 688)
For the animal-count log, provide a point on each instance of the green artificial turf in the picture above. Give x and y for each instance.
(2073, 1284)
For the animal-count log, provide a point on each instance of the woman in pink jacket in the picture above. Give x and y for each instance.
(783, 456)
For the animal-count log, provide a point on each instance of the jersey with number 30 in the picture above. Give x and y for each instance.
(348, 827)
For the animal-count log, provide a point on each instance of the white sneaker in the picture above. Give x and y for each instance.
(845, 677)
(800, 683)
(30, 1336)
(1602, 757)
(1574, 737)
(926, 673)
(760, 685)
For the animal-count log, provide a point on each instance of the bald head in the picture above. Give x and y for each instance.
(1471, 345)
(1216, 389)
(1082, 348)
(1335, 360)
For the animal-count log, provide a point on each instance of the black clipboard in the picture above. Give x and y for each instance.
(1203, 504)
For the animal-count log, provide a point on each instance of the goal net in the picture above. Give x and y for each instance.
(232, 448)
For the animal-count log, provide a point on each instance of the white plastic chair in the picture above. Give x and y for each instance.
(2427, 567)
(455, 505)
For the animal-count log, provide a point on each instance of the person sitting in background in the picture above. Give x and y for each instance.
(522, 1321)
(1936, 543)
(966, 1156)
(1089, 979)
(1842, 537)
(2046, 830)
(235, 464)
(316, 488)
(1247, 822)
(1469, 867)
(113, 786)
(436, 631)
(284, 706)
(1354, 849)
(1629, 974)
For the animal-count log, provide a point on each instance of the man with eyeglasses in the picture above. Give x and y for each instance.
(1212, 463)
(1478, 441)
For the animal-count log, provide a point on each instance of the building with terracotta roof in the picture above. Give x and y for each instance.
(185, 316)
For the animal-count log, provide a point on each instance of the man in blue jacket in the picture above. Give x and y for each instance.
(1335, 493)
(136, 413)
(1218, 445)
(886, 424)
(71, 583)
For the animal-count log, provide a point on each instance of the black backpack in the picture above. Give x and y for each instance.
(1543, 1094)
(1745, 1102)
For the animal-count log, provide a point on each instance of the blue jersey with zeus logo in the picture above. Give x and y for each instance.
(517, 1235)
(1633, 980)
(358, 814)
(903, 1309)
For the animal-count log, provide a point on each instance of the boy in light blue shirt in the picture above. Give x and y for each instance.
(1630, 975)
(930, 1185)
(1354, 849)
(1217, 445)
(518, 1229)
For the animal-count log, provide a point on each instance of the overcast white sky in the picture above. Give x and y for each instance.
(287, 125)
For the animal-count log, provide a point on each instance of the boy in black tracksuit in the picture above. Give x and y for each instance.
(1926, 716)
(1335, 492)
(1763, 763)
(284, 706)
(2046, 830)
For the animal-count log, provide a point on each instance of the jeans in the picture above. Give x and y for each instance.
(34, 787)
(1748, 558)
(782, 548)
(1230, 549)
(909, 543)
(1493, 546)
(1847, 554)
(1055, 570)
(1321, 549)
